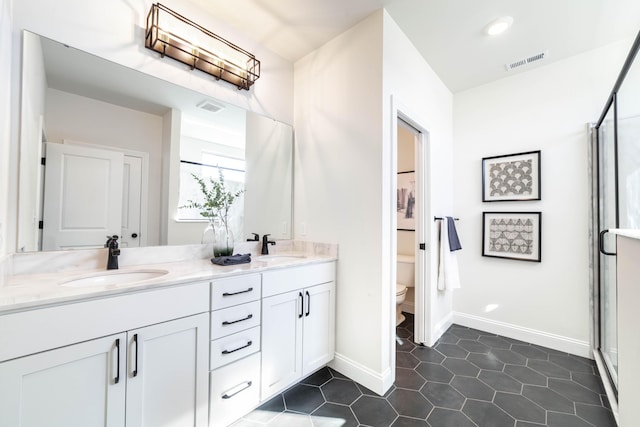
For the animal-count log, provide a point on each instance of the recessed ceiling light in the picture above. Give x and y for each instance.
(498, 26)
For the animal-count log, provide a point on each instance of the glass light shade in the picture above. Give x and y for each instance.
(175, 36)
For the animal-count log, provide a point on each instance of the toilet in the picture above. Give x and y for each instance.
(401, 292)
(405, 277)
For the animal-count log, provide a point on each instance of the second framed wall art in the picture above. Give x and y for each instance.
(511, 177)
(512, 235)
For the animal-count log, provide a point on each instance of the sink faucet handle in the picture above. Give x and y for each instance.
(256, 238)
(111, 240)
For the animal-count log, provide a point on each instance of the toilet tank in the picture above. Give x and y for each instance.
(406, 271)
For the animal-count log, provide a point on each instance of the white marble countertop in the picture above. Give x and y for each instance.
(28, 291)
(632, 233)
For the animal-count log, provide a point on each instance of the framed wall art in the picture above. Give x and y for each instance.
(512, 235)
(406, 201)
(511, 177)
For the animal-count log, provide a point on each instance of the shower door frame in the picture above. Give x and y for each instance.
(597, 250)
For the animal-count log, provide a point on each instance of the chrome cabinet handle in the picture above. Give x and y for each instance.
(237, 349)
(229, 396)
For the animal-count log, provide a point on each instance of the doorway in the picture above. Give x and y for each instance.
(412, 228)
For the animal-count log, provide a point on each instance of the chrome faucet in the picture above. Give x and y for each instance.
(265, 243)
(114, 251)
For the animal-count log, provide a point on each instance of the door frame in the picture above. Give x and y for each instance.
(424, 230)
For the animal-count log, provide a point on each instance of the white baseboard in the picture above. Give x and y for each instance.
(544, 339)
(440, 328)
(374, 381)
(408, 307)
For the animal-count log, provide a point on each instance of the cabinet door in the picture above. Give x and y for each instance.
(318, 339)
(281, 341)
(79, 385)
(167, 373)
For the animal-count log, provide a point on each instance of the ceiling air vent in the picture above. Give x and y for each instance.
(210, 106)
(526, 61)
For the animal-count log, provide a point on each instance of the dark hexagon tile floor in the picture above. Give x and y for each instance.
(469, 378)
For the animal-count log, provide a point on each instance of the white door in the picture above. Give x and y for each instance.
(131, 202)
(83, 196)
(69, 386)
(281, 341)
(318, 335)
(167, 374)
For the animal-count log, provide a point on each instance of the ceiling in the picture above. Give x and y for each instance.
(448, 33)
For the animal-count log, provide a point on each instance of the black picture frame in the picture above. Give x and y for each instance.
(512, 235)
(511, 177)
(405, 201)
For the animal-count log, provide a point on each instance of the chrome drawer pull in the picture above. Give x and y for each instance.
(227, 294)
(237, 349)
(227, 323)
(229, 396)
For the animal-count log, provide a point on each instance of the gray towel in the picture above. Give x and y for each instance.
(232, 260)
(454, 242)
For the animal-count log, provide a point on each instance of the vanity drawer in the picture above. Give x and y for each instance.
(233, 347)
(234, 391)
(235, 290)
(235, 319)
(289, 279)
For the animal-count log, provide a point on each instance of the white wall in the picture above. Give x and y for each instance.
(82, 119)
(345, 174)
(116, 32)
(544, 109)
(5, 121)
(338, 187)
(418, 92)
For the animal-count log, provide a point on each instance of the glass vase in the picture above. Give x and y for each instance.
(208, 234)
(222, 239)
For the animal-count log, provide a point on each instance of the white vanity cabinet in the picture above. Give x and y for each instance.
(235, 348)
(298, 324)
(166, 373)
(68, 386)
(146, 376)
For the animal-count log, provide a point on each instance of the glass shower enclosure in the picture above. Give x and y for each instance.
(615, 189)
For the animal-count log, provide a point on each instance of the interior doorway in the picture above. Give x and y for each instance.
(412, 207)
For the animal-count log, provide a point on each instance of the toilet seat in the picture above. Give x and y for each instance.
(400, 289)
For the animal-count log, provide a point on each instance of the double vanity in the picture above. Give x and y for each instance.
(160, 342)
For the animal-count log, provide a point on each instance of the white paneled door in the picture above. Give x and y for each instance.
(83, 196)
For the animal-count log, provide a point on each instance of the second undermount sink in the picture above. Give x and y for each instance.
(114, 277)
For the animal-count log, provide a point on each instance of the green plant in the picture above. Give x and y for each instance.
(217, 199)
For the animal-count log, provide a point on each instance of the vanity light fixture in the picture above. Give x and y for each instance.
(179, 38)
(498, 26)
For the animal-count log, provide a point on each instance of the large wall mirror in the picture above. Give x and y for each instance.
(120, 148)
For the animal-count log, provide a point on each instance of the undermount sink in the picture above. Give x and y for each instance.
(282, 257)
(114, 277)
